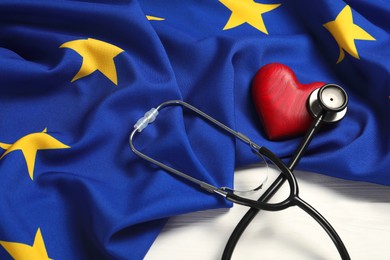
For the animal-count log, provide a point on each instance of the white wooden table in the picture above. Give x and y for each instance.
(360, 213)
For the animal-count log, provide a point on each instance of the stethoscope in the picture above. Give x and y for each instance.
(326, 104)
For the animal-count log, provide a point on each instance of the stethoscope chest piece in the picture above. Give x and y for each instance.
(330, 100)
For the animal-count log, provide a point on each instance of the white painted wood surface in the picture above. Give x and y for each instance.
(360, 213)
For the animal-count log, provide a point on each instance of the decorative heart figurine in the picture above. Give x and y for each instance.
(281, 100)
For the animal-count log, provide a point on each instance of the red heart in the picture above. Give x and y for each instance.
(281, 100)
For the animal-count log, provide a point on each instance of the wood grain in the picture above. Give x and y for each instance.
(360, 212)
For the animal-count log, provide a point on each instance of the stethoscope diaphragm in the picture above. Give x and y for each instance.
(330, 100)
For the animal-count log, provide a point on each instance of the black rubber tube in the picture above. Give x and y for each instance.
(325, 225)
(268, 194)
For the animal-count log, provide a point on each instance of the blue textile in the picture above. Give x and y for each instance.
(76, 75)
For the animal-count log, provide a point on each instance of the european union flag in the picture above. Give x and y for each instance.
(76, 75)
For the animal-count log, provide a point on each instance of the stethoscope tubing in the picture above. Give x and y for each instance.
(296, 200)
(286, 174)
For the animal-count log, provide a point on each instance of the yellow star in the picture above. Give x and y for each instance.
(21, 251)
(97, 55)
(154, 18)
(247, 11)
(346, 32)
(30, 144)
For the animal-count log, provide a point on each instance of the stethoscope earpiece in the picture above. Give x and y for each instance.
(330, 100)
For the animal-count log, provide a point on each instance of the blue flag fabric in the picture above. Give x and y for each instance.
(76, 75)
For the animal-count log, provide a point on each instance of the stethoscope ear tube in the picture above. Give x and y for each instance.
(150, 117)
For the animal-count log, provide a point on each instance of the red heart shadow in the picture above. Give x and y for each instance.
(280, 101)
